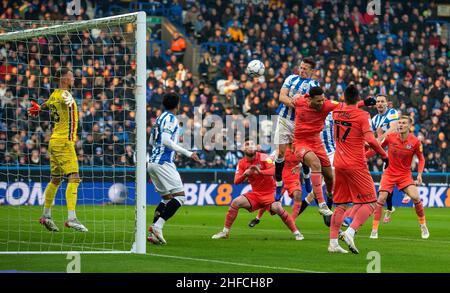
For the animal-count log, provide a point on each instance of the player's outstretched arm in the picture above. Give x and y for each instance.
(370, 153)
(168, 142)
(329, 105)
(370, 101)
(374, 144)
(284, 98)
(35, 108)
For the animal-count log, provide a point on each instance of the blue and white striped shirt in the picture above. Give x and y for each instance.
(382, 120)
(296, 85)
(166, 122)
(327, 135)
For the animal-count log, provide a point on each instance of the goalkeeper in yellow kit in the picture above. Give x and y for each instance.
(63, 159)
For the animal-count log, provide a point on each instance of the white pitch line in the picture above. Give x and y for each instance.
(233, 263)
(68, 245)
(311, 233)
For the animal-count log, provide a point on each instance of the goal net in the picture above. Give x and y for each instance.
(107, 57)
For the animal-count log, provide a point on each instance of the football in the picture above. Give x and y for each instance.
(118, 193)
(255, 68)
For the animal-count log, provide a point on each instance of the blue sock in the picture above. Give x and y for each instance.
(307, 178)
(348, 221)
(278, 192)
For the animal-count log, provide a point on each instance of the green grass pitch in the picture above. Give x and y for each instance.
(269, 247)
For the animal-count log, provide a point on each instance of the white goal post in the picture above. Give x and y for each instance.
(138, 19)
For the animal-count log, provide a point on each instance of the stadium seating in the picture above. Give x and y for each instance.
(412, 65)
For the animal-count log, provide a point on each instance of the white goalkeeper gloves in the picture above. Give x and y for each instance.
(68, 99)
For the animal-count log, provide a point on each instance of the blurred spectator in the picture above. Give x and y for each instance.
(156, 61)
(235, 32)
(178, 46)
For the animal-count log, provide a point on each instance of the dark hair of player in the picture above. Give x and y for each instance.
(309, 61)
(315, 91)
(60, 73)
(381, 95)
(170, 101)
(248, 138)
(351, 95)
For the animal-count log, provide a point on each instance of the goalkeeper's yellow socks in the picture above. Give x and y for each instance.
(50, 193)
(71, 197)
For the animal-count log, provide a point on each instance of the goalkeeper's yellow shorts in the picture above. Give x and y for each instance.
(63, 159)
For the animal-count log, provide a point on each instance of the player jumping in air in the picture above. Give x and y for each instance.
(293, 85)
(402, 146)
(258, 169)
(291, 180)
(327, 138)
(312, 110)
(353, 181)
(63, 159)
(162, 170)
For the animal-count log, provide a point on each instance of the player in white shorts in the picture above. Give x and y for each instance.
(284, 132)
(327, 137)
(162, 170)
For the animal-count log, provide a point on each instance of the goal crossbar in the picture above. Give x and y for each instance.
(69, 27)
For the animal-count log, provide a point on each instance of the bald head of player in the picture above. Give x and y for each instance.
(351, 95)
(316, 97)
(64, 78)
(306, 67)
(171, 102)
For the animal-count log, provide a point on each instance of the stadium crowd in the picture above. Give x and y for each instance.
(399, 53)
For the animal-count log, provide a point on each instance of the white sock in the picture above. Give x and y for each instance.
(350, 232)
(72, 215)
(257, 218)
(226, 230)
(334, 242)
(160, 223)
(48, 212)
(306, 176)
(279, 183)
(296, 232)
